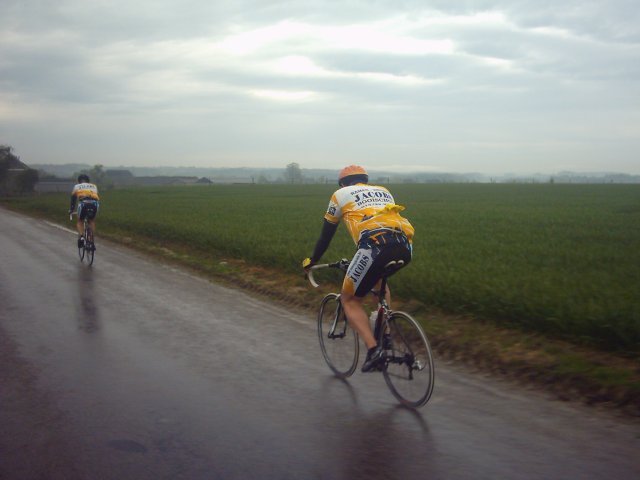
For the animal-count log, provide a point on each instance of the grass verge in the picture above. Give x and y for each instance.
(570, 372)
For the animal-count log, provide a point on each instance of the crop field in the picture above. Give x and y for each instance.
(560, 259)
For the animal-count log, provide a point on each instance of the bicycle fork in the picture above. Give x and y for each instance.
(334, 325)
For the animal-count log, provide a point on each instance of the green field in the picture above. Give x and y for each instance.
(559, 259)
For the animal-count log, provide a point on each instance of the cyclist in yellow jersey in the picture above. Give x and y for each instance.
(384, 241)
(85, 194)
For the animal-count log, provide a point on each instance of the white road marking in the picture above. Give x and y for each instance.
(60, 227)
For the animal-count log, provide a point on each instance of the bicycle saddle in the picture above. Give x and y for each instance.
(393, 266)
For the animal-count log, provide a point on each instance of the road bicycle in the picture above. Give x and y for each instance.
(407, 366)
(88, 249)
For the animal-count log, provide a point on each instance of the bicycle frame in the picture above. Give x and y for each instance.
(383, 328)
(85, 223)
(88, 239)
(407, 365)
(383, 308)
(381, 325)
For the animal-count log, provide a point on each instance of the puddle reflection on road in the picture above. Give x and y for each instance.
(88, 311)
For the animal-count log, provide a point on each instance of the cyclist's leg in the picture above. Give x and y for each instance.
(92, 224)
(359, 322)
(365, 271)
(93, 213)
(357, 317)
(354, 289)
(79, 219)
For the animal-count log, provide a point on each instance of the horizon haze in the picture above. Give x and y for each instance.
(276, 174)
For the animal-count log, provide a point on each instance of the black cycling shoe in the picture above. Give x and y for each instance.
(80, 242)
(374, 360)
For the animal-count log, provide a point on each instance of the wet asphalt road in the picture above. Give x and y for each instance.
(148, 372)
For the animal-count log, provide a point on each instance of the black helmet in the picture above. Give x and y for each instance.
(82, 178)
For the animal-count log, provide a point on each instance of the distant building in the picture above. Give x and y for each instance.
(165, 180)
(15, 165)
(232, 180)
(51, 186)
(15, 176)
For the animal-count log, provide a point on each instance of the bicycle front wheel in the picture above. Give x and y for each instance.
(409, 371)
(338, 342)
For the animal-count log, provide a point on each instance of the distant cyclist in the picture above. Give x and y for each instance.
(382, 236)
(85, 194)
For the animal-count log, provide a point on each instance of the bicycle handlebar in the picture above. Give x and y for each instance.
(312, 281)
(341, 265)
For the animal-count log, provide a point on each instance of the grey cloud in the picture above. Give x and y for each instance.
(611, 20)
(559, 93)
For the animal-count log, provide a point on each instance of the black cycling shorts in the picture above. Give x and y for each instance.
(87, 209)
(376, 250)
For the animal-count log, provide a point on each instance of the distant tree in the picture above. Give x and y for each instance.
(293, 173)
(5, 151)
(97, 176)
(5, 162)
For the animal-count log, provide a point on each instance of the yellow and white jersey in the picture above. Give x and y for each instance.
(366, 207)
(85, 191)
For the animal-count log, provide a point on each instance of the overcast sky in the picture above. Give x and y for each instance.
(448, 86)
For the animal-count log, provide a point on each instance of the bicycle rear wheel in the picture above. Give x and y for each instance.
(409, 370)
(88, 245)
(338, 342)
(81, 252)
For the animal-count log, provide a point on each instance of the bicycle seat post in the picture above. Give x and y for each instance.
(382, 293)
(382, 303)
